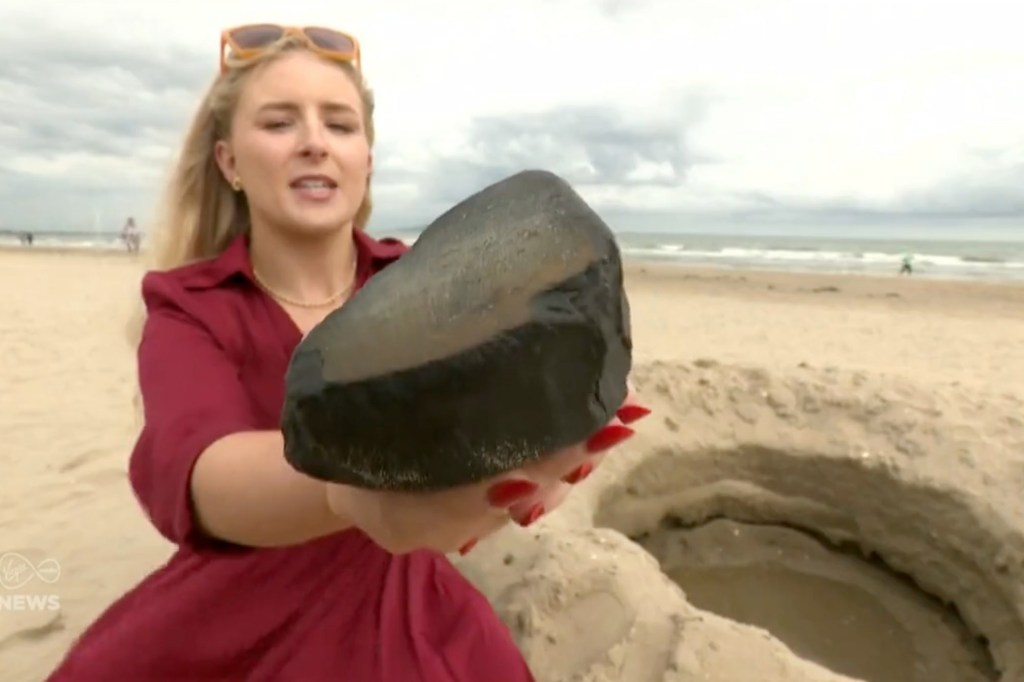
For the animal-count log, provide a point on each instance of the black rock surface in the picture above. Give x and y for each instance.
(502, 335)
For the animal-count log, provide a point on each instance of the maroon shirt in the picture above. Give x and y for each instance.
(212, 362)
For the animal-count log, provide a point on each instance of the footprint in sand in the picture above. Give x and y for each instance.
(102, 478)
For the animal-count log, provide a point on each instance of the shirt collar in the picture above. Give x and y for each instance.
(371, 255)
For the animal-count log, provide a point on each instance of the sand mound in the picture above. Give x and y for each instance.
(899, 504)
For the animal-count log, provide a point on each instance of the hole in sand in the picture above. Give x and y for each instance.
(827, 604)
(851, 567)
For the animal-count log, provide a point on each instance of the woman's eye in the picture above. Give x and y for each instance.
(340, 127)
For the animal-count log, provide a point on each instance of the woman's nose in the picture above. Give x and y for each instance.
(313, 143)
(313, 148)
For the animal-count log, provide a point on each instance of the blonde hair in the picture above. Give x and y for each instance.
(200, 213)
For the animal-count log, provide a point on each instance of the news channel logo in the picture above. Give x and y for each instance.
(18, 573)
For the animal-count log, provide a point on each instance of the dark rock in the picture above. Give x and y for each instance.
(501, 336)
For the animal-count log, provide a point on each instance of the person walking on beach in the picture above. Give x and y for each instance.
(130, 236)
(277, 577)
(907, 264)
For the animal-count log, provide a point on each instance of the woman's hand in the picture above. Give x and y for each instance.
(403, 522)
(456, 519)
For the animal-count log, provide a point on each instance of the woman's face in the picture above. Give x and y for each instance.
(298, 145)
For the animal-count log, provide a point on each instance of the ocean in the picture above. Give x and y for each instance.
(946, 259)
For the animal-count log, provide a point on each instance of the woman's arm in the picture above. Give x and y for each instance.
(244, 491)
(205, 466)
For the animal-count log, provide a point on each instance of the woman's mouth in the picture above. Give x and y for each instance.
(314, 187)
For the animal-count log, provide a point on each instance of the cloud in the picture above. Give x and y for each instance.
(612, 154)
(586, 145)
(89, 125)
(86, 98)
(660, 113)
(991, 186)
(987, 185)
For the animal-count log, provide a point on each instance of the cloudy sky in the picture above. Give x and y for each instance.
(665, 114)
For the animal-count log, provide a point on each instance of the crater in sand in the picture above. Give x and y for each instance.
(801, 546)
(828, 605)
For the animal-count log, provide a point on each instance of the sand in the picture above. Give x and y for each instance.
(830, 484)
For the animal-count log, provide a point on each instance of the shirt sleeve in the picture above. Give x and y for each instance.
(192, 396)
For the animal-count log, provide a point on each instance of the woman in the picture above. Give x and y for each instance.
(277, 576)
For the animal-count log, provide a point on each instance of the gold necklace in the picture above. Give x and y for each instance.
(304, 304)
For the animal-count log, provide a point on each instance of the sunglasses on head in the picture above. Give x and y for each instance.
(250, 40)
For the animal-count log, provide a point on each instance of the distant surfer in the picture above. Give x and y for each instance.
(907, 264)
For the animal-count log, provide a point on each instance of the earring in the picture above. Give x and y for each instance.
(236, 184)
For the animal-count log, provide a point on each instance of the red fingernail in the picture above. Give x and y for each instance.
(536, 511)
(508, 492)
(608, 437)
(628, 414)
(580, 473)
(468, 546)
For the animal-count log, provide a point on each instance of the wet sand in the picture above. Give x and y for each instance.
(827, 603)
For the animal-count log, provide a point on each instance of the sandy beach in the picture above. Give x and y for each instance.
(830, 488)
